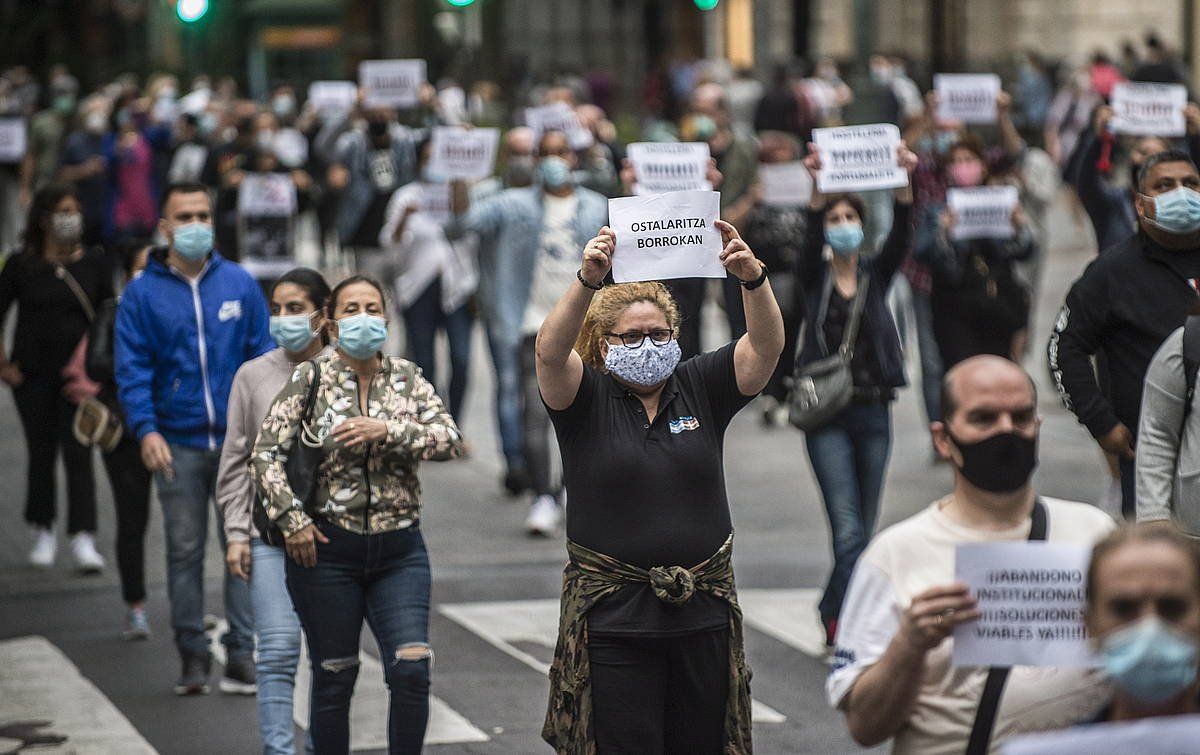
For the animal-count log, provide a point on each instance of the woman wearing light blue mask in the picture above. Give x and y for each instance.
(297, 324)
(849, 454)
(1143, 615)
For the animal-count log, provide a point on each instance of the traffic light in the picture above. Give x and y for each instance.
(706, 4)
(461, 3)
(190, 11)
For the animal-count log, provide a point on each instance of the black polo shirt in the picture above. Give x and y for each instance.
(651, 493)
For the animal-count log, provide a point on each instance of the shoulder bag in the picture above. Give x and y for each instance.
(94, 423)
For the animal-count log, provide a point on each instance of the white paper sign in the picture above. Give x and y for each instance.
(435, 202)
(661, 167)
(12, 140)
(1171, 735)
(662, 236)
(391, 83)
(271, 195)
(967, 97)
(461, 153)
(329, 97)
(859, 158)
(785, 184)
(1145, 109)
(983, 212)
(558, 116)
(290, 146)
(1032, 598)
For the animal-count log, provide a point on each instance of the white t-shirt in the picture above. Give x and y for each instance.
(423, 253)
(914, 555)
(557, 261)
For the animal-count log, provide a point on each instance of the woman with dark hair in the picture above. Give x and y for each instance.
(356, 550)
(57, 285)
(297, 324)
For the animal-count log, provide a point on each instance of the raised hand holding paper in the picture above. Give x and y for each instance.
(12, 140)
(270, 195)
(331, 97)
(859, 158)
(967, 97)
(785, 184)
(462, 153)
(664, 236)
(982, 212)
(661, 167)
(1144, 109)
(559, 116)
(391, 83)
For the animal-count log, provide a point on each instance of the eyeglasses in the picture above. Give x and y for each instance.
(634, 339)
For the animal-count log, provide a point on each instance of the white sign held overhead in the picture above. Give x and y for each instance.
(1161, 735)
(12, 140)
(967, 97)
(1144, 109)
(982, 212)
(859, 158)
(1031, 596)
(331, 97)
(269, 195)
(435, 202)
(458, 153)
(785, 184)
(391, 83)
(559, 116)
(663, 236)
(660, 167)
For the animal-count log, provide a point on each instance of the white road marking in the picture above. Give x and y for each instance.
(789, 616)
(39, 683)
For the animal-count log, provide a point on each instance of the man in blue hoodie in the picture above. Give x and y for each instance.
(183, 329)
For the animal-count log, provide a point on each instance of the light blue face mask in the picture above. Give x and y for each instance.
(194, 241)
(1177, 211)
(293, 332)
(554, 171)
(845, 238)
(646, 365)
(1149, 661)
(362, 335)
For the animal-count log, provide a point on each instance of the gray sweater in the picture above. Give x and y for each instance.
(255, 387)
(1168, 460)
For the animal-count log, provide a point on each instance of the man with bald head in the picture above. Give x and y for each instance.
(891, 673)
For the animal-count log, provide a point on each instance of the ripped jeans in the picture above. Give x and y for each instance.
(384, 579)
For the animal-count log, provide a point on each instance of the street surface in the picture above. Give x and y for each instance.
(494, 590)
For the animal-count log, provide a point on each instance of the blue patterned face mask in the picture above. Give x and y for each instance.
(646, 365)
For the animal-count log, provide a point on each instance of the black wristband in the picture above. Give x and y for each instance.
(585, 284)
(751, 285)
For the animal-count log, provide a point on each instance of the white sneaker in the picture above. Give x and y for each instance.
(83, 550)
(44, 548)
(544, 517)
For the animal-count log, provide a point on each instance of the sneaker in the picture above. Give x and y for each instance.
(240, 678)
(544, 517)
(193, 680)
(516, 480)
(44, 548)
(137, 626)
(83, 549)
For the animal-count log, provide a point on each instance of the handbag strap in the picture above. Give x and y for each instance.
(311, 398)
(993, 688)
(65, 276)
(856, 307)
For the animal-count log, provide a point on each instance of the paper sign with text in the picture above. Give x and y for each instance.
(558, 116)
(468, 154)
(391, 83)
(983, 212)
(967, 97)
(1144, 109)
(271, 195)
(332, 97)
(859, 158)
(1168, 735)
(660, 167)
(1031, 596)
(785, 184)
(435, 202)
(12, 140)
(662, 236)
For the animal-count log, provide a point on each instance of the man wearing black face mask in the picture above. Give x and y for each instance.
(892, 675)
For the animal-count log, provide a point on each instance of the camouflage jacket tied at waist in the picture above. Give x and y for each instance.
(589, 578)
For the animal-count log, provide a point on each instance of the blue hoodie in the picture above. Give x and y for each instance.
(174, 375)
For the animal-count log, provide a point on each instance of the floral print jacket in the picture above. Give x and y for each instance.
(369, 488)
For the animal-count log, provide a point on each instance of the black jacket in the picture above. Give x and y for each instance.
(1124, 305)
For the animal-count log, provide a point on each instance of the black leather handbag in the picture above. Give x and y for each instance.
(301, 469)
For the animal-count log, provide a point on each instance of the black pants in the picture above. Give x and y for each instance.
(130, 481)
(46, 418)
(660, 694)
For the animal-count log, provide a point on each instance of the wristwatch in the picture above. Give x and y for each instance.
(751, 285)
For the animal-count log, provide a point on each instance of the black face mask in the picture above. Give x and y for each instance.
(377, 129)
(1000, 463)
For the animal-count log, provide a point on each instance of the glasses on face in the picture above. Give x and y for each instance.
(634, 339)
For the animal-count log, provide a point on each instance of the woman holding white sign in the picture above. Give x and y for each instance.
(847, 319)
(650, 655)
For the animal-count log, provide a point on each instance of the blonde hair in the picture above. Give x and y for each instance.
(607, 307)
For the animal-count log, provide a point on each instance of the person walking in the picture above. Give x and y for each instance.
(356, 551)
(183, 329)
(649, 655)
(57, 285)
(297, 301)
(842, 293)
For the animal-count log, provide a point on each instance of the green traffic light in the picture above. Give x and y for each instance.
(706, 4)
(191, 10)
(461, 3)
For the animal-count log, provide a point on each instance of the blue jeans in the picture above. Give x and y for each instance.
(384, 579)
(849, 458)
(277, 631)
(904, 300)
(186, 500)
(506, 357)
(422, 320)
